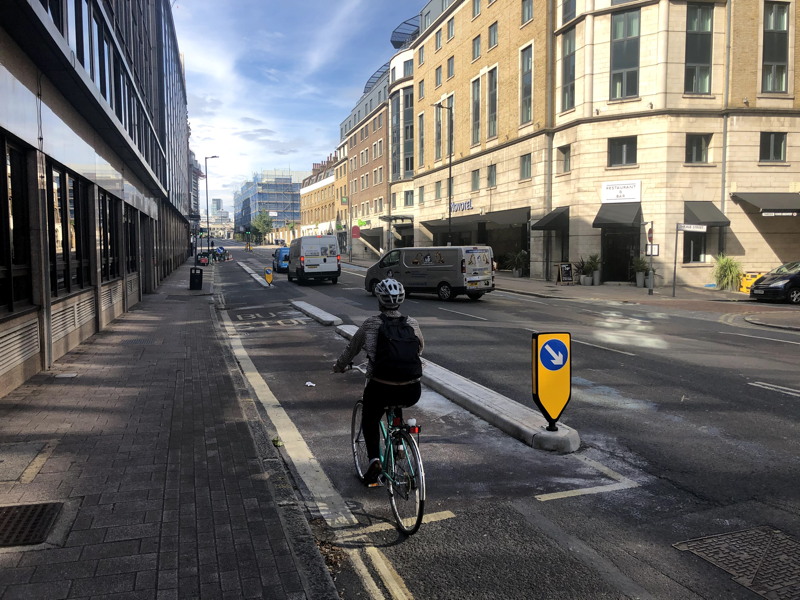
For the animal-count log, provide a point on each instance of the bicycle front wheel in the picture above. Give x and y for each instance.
(407, 485)
(360, 456)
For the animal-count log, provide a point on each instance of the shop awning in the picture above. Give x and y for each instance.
(499, 217)
(771, 202)
(556, 219)
(619, 214)
(704, 213)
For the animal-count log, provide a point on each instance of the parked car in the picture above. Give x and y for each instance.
(782, 283)
(280, 260)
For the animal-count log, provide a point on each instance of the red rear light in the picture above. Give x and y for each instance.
(302, 261)
(338, 258)
(413, 429)
(397, 421)
(463, 266)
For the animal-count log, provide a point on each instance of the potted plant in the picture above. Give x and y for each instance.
(580, 270)
(640, 266)
(727, 273)
(593, 264)
(517, 262)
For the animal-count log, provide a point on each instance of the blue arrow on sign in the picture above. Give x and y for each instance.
(554, 355)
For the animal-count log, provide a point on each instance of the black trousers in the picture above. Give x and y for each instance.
(377, 398)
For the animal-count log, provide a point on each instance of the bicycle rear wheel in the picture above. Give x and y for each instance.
(360, 456)
(407, 485)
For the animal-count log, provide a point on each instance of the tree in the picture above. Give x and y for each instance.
(262, 223)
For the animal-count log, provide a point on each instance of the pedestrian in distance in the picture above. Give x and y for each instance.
(392, 343)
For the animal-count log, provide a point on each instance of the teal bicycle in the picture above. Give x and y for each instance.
(403, 473)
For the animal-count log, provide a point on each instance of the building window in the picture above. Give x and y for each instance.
(476, 111)
(565, 158)
(421, 55)
(437, 76)
(438, 39)
(15, 251)
(451, 28)
(109, 236)
(476, 48)
(526, 85)
(568, 70)
(437, 133)
(491, 176)
(491, 112)
(625, 55)
(421, 195)
(451, 66)
(775, 47)
(408, 68)
(421, 88)
(699, 21)
(525, 166)
(527, 10)
(476, 180)
(476, 8)
(408, 198)
(773, 147)
(622, 151)
(493, 35)
(421, 140)
(437, 193)
(408, 132)
(697, 147)
(567, 11)
(694, 247)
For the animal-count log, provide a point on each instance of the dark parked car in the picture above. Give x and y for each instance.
(782, 283)
(280, 260)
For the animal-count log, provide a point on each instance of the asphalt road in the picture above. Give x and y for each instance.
(677, 443)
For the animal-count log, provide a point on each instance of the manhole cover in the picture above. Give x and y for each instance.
(26, 524)
(764, 560)
(142, 342)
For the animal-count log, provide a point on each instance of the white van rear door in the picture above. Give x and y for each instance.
(478, 263)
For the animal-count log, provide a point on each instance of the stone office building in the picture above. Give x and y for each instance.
(93, 198)
(582, 126)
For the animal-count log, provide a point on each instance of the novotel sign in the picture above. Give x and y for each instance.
(461, 206)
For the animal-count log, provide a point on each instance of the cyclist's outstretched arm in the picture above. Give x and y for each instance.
(350, 352)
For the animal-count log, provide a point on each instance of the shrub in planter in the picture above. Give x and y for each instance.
(728, 273)
(640, 264)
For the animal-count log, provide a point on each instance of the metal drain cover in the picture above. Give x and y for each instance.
(26, 524)
(763, 559)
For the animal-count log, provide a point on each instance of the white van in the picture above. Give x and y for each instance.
(314, 257)
(446, 271)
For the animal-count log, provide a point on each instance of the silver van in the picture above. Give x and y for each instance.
(314, 257)
(446, 271)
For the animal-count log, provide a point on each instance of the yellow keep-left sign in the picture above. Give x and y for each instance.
(551, 373)
(268, 276)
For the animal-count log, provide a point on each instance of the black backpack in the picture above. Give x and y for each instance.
(397, 352)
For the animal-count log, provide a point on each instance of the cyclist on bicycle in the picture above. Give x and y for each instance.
(379, 394)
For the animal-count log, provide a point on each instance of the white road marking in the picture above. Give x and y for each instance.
(776, 388)
(758, 337)
(623, 483)
(462, 314)
(603, 347)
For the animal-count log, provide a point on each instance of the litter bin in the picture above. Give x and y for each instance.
(195, 278)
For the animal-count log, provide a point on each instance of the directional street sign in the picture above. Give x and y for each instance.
(690, 227)
(268, 276)
(551, 374)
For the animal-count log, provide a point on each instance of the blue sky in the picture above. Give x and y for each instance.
(270, 81)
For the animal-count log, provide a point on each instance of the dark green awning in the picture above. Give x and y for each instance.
(555, 219)
(619, 214)
(704, 213)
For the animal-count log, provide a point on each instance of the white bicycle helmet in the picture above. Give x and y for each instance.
(390, 293)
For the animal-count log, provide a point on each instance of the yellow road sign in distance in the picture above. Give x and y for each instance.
(551, 374)
(268, 276)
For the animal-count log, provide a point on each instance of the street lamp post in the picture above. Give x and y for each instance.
(208, 213)
(449, 110)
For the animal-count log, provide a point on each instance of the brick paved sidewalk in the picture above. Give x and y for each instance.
(140, 433)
